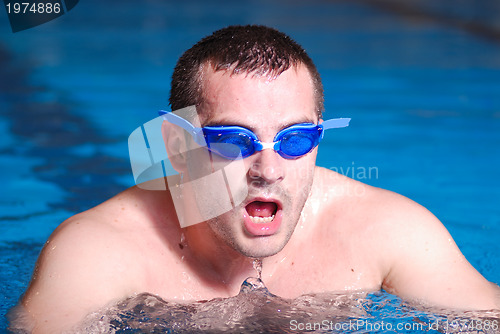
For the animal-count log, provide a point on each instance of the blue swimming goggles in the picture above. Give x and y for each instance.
(233, 142)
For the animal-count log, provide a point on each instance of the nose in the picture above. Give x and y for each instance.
(267, 167)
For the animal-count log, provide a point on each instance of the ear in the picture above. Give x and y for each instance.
(175, 144)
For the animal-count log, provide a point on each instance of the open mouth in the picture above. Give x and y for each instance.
(261, 212)
(262, 218)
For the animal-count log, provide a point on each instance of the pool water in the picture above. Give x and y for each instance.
(421, 82)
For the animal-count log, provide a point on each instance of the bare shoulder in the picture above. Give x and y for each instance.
(103, 234)
(381, 220)
(377, 208)
(396, 226)
(91, 259)
(417, 254)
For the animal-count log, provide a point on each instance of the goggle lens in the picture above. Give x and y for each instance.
(291, 143)
(297, 143)
(230, 145)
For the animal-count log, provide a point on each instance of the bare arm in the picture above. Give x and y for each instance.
(427, 265)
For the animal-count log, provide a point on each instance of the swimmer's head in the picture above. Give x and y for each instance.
(253, 50)
(238, 77)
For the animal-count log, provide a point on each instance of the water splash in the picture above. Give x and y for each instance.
(251, 284)
(257, 265)
(256, 310)
(253, 310)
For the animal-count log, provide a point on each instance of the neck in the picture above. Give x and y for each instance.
(223, 266)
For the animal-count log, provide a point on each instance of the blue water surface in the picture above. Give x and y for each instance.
(420, 80)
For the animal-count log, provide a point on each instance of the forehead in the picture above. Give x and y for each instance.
(251, 100)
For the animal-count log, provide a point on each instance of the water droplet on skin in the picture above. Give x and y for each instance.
(183, 242)
(257, 265)
(185, 277)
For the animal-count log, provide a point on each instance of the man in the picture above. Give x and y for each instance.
(315, 230)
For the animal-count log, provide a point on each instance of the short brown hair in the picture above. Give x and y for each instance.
(252, 49)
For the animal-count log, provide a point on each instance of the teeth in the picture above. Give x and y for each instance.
(261, 220)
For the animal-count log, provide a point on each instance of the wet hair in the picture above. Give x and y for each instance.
(251, 49)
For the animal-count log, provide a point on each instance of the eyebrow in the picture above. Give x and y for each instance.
(251, 128)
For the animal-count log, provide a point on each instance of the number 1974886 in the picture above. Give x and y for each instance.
(35, 8)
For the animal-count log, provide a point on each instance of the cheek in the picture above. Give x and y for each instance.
(198, 163)
(301, 171)
(299, 183)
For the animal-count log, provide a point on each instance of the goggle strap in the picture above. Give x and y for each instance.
(336, 123)
(196, 133)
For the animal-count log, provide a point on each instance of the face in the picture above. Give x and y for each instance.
(277, 188)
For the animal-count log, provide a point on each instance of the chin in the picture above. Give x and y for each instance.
(260, 247)
(236, 237)
(259, 253)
